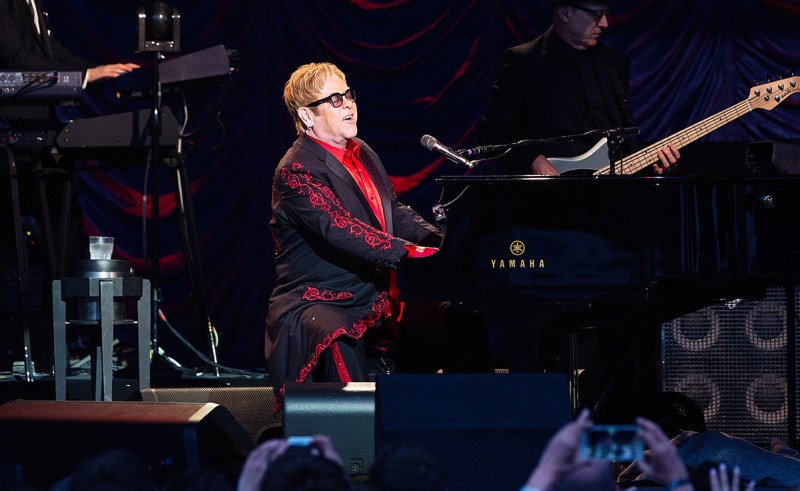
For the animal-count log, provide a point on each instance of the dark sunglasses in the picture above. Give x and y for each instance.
(336, 100)
(596, 14)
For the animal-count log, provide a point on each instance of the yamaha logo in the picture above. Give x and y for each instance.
(517, 248)
(516, 260)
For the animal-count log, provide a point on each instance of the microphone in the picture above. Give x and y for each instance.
(483, 150)
(432, 143)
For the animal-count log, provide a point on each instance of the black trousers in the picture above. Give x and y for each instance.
(343, 361)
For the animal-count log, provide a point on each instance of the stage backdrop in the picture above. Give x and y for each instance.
(419, 66)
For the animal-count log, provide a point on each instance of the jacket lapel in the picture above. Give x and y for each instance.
(336, 168)
(382, 186)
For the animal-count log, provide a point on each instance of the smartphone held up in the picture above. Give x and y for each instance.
(619, 443)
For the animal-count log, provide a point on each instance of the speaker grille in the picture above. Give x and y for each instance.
(253, 407)
(732, 360)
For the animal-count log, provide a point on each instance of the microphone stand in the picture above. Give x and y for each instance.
(616, 137)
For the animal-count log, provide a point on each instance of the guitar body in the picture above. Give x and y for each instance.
(593, 159)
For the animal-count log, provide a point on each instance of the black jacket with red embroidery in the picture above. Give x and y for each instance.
(329, 248)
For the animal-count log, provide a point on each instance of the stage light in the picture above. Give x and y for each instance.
(159, 28)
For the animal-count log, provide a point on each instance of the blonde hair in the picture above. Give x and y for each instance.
(304, 85)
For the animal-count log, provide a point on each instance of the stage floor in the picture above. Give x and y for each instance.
(124, 388)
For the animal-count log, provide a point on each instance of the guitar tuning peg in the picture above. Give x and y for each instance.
(769, 78)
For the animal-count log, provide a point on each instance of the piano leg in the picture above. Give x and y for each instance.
(625, 369)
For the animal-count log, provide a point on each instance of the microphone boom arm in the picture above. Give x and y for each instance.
(505, 147)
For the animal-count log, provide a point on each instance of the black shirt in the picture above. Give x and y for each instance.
(546, 88)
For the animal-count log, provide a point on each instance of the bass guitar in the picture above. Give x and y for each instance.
(765, 96)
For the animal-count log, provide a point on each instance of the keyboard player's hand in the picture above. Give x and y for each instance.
(105, 72)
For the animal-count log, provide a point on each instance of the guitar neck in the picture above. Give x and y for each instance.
(649, 155)
(765, 96)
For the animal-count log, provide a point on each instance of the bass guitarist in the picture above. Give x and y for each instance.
(564, 82)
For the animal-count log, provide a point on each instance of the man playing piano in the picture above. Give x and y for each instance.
(339, 231)
(564, 82)
(28, 44)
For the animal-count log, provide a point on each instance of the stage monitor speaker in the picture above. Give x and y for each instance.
(773, 158)
(47, 440)
(732, 360)
(253, 407)
(345, 412)
(486, 430)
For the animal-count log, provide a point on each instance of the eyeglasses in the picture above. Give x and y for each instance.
(335, 99)
(596, 14)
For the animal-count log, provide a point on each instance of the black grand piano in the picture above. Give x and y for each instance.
(573, 252)
(610, 242)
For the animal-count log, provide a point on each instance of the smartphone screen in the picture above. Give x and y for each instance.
(620, 443)
(300, 441)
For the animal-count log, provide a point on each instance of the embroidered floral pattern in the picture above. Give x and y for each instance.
(322, 197)
(312, 294)
(355, 331)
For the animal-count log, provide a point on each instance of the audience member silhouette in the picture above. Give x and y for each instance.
(561, 458)
(108, 470)
(406, 467)
(275, 465)
(674, 412)
(705, 452)
(198, 480)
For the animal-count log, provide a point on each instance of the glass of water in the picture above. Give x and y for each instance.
(100, 247)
